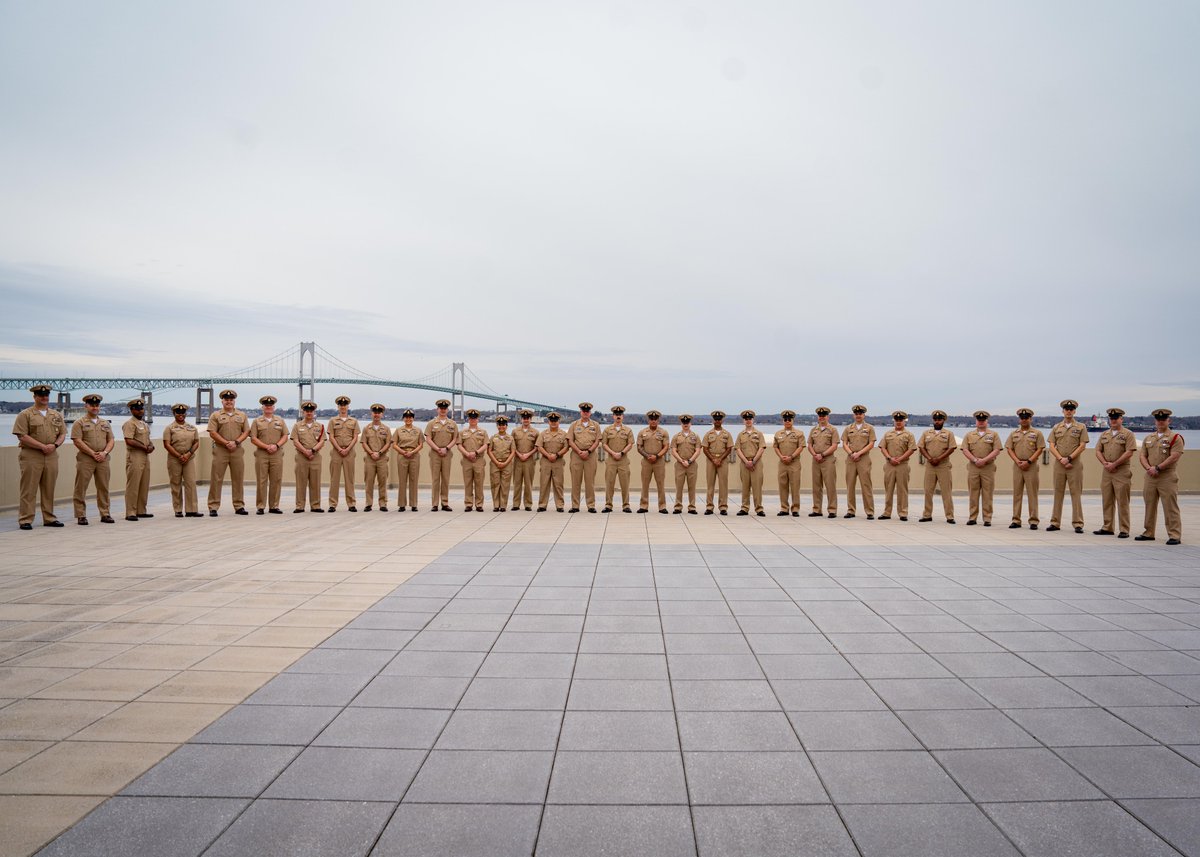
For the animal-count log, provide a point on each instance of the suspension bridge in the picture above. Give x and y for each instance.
(305, 366)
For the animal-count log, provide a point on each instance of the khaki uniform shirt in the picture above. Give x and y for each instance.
(95, 433)
(750, 441)
(935, 443)
(227, 425)
(718, 442)
(617, 438)
(181, 437)
(308, 435)
(442, 433)
(584, 435)
(823, 440)
(44, 429)
(982, 443)
(552, 441)
(897, 442)
(407, 438)
(376, 438)
(343, 430)
(685, 444)
(473, 439)
(1026, 445)
(525, 439)
(653, 441)
(1160, 447)
(135, 429)
(1114, 444)
(858, 437)
(269, 429)
(1068, 438)
(501, 445)
(789, 441)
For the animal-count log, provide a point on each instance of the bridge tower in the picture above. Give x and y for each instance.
(458, 381)
(309, 348)
(147, 396)
(204, 409)
(502, 407)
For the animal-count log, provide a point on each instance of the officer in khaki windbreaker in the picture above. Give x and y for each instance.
(93, 439)
(789, 443)
(552, 447)
(898, 446)
(181, 439)
(1159, 457)
(376, 440)
(1114, 450)
(308, 437)
(823, 442)
(269, 435)
(749, 448)
(441, 435)
(1025, 445)
(343, 433)
(502, 453)
(584, 437)
(407, 440)
(228, 428)
(617, 440)
(1068, 439)
(858, 439)
(525, 442)
(652, 445)
(138, 448)
(472, 443)
(936, 445)
(718, 446)
(685, 449)
(981, 447)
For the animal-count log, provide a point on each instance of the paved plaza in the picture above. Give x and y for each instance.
(556, 684)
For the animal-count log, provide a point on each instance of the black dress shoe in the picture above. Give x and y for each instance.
(26, 526)
(541, 508)
(240, 512)
(885, 517)
(1102, 532)
(848, 515)
(832, 515)
(297, 511)
(497, 509)
(366, 509)
(677, 512)
(1174, 541)
(781, 514)
(179, 514)
(924, 520)
(185, 514)
(212, 513)
(627, 510)
(446, 508)
(516, 508)
(1033, 526)
(971, 522)
(1079, 529)
(146, 515)
(83, 522)
(469, 509)
(414, 508)
(949, 520)
(1122, 535)
(434, 509)
(724, 511)
(663, 512)
(318, 510)
(795, 514)
(870, 517)
(761, 513)
(987, 523)
(1143, 538)
(261, 512)
(332, 509)
(131, 517)
(1053, 528)
(606, 509)
(1015, 525)
(903, 517)
(592, 510)
(814, 514)
(107, 519)
(742, 512)
(560, 509)
(353, 508)
(275, 511)
(385, 508)
(574, 509)
(52, 524)
(643, 511)
(478, 508)
(528, 508)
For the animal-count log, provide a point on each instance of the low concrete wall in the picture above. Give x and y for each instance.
(1189, 473)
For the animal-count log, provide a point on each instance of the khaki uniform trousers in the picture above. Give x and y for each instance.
(137, 481)
(614, 471)
(1114, 492)
(473, 473)
(1163, 488)
(268, 478)
(552, 477)
(824, 483)
(895, 485)
(981, 487)
(939, 478)
(717, 479)
(341, 474)
(439, 466)
(87, 469)
(685, 477)
(501, 478)
(1063, 480)
(789, 485)
(859, 471)
(235, 463)
(522, 493)
(308, 481)
(183, 484)
(375, 475)
(1025, 484)
(585, 472)
(659, 471)
(39, 472)
(752, 481)
(408, 472)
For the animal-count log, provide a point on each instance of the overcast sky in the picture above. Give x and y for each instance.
(677, 205)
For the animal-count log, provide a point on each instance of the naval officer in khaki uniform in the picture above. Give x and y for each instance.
(472, 443)
(617, 440)
(441, 435)
(749, 448)
(227, 428)
(502, 453)
(376, 440)
(308, 437)
(525, 442)
(936, 445)
(685, 450)
(1068, 439)
(40, 431)
(1025, 445)
(342, 432)
(1159, 457)
(981, 447)
(584, 437)
(788, 445)
(93, 439)
(652, 446)
(858, 439)
(823, 442)
(552, 447)
(138, 448)
(718, 446)
(1114, 450)
(407, 440)
(898, 446)
(269, 434)
(181, 440)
